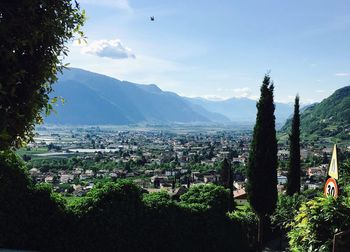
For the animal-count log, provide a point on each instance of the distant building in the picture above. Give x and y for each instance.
(239, 184)
(158, 180)
(49, 179)
(239, 160)
(175, 194)
(170, 173)
(240, 195)
(280, 188)
(210, 178)
(317, 171)
(313, 186)
(66, 178)
(195, 175)
(281, 180)
(34, 172)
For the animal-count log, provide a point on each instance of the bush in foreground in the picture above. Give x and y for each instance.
(112, 217)
(317, 221)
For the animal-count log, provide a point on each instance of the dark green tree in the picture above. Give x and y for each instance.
(30, 216)
(209, 196)
(33, 34)
(293, 183)
(325, 159)
(262, 164)
(226, 180)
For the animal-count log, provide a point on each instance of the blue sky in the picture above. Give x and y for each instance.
(220, 49)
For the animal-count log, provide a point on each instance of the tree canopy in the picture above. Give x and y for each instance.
(226, 180)
(293, 183)
(209, 196)
(262, 163)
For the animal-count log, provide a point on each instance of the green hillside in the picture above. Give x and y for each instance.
(329, 119)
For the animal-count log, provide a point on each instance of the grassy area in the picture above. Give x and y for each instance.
(282, 137)
(51, 157)
(31, 151)
(73, 200)
(242, 205)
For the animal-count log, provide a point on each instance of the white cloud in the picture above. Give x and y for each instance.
(226, 93)
(113, 49)
(213, 97)
(289, 100)
(254, 97)
(143, 69)
(342, 74)
(242, 92)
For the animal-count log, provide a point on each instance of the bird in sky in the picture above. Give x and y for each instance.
(152, 18)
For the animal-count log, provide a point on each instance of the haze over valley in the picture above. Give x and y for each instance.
(92, 99)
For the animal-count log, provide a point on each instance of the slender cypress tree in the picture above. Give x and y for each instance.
(293, 183)
(226, 180)
(262, 163)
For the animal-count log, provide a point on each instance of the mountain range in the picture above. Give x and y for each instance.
(327, 119)
(92, 99)
(241, 109)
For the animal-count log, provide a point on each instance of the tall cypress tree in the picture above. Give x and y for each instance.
(262, 163)
(293, 183)
(226, 180)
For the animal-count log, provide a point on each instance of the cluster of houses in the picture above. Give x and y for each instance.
(162, 150)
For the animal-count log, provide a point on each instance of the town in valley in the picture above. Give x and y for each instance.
(74, 159)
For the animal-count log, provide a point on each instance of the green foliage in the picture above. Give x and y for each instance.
(240, 169)
(248, 221)
(312, 193)
(13, 174)
(211, 196)
(104, 195)
(52, 164)
(293, 183)
(58, 163)
(286, 210)
(262, 164)
(66, 188)
(344, 173)
(112, 216)
(316, 223)
(226, 180)
(30, 216)
(329, 118)
(117, 217)
(157, 200)
(33, 34)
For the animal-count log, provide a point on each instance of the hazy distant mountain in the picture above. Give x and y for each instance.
(92, 98)
(242, 109)
(329, 118)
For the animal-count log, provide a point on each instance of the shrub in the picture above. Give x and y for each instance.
(31, 217)
(316, 223)
(287, 208)
(248, 221)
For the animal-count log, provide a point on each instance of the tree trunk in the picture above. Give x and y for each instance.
(260, 232)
